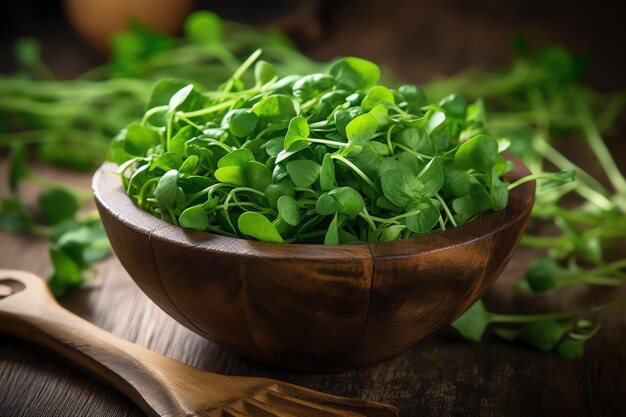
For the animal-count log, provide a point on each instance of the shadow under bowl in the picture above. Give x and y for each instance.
(306, 306)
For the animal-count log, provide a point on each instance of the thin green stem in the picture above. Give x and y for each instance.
(446, 209)
(328, 142)
(357, 170)
(208, 110)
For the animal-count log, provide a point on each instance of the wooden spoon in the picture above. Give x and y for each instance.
(160, 386)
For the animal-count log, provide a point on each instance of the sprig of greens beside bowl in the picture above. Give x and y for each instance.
(326, 157)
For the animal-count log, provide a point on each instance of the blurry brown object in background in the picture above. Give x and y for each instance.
(97, 20)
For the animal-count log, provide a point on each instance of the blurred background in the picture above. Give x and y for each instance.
(417, 40)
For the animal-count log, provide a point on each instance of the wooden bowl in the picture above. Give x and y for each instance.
(306, 306)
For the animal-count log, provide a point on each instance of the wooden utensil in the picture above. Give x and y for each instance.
(159, 385)
(312, 307)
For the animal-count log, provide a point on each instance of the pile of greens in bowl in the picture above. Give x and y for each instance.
(320, 158)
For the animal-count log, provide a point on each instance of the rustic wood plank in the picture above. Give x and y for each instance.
(441, 376)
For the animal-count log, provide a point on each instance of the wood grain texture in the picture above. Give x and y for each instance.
(160, 386)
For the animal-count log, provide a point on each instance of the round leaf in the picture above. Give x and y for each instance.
(349, 200)
(473, 323)
(478, 153)
(377, 95)
(273, 192)
(355, 73)
(58, 205)
(232, 175)
(258, 175)
(264, 72)
(303, 172)
(194, 217)
(401, 188)
(425, 220)
(239, 157)
(312, 85)
(298, 131)
(259, 227)
(275, 108)
(432, 177)
(289, 210)
(165, 191)
(361, 129)
(242, 122)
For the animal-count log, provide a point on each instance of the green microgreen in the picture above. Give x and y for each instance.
(373, 168)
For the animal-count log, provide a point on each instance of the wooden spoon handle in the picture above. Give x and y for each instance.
(28, 311)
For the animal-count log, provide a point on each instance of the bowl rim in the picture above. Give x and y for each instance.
(109, 195)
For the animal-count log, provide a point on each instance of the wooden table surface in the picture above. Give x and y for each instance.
(442, 376)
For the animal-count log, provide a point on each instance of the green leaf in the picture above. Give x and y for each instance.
(289, 210)
(401, 188)
(327, 174)
(264, 72)
(275, 108)
(377, 95)
(239, 158)
(303, 172)
(355, 73)
(194, 217)
(14, 216)
(190, 165)
(241, 122)
(413, 95)
(258, 175)
(543, 274)
(166, 162)
(544, 335)
(57, 205)
(161, 94)
(434, 119)
(432, 177)
(312, 85)
(457, 183)
(138, 139)
(381, 113)
(571, 348)
(67, 273)
(165, 191)
(332, 234)
(478, 153)
(426, 219)
(326, 205)
(477, 201)
(349, 200)
(391, 233)
(259, 227)
(499, 193)
(454, 105)
(205, 28)
(273, 192)
(179, 98)
(473, 323)
(343, 117)
(232, 175)
(178, 141)
(361, 129)
(298, 131)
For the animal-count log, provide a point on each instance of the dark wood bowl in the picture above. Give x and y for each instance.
(306, 306)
